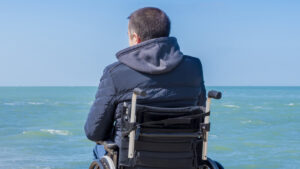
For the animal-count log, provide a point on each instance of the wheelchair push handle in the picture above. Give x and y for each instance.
(139, 92)
(214, 94)
(136, 92)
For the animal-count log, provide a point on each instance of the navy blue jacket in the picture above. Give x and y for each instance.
(157, 66)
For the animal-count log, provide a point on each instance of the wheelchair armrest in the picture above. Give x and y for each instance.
(108, 145)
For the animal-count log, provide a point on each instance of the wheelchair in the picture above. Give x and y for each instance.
(160, 138)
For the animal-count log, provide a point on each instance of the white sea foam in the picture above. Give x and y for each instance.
(56, 132)
(246, 121)
(231, 106)
(39, 167)
(35, 103)
(50, 131)
(258, 107)
(10, 104)
(25, 132)
(291, 104)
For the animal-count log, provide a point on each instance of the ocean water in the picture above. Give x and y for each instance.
(252, 127)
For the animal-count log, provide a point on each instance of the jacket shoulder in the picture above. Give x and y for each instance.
(114, 71)
(191, 58)
(192, 61)
(116, 68)
(110, 68)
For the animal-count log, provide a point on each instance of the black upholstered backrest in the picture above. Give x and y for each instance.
(166, 138)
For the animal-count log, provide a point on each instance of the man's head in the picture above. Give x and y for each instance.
(147, 23)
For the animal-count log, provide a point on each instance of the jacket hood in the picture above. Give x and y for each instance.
(154, 56)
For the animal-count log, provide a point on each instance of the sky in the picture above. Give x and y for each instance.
(69, 42)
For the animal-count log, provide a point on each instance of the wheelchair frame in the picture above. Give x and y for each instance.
(112, 148)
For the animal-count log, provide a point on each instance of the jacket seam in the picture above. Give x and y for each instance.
(114, 67)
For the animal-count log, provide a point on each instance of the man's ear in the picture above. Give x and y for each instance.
(136, 38)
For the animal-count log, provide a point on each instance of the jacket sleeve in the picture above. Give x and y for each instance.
(100, 119)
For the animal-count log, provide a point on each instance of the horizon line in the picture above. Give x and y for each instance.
(205, 86)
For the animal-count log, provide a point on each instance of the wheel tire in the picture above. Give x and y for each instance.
(209, 164)
(219, 165)
(204, 166)
(94, 165)
(107, 162)
(104, 163)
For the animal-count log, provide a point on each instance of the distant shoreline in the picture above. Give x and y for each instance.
(97, 86)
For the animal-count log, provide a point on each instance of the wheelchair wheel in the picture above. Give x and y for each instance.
(95, 165)
(210, 164)
(219, 165)
(104, 163)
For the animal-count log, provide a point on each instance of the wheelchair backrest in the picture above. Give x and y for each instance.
(165, 137)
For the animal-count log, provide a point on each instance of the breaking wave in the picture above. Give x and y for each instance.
(10, 104)
(49, 131)
(35, 103)
(56, 132)
(231, 106)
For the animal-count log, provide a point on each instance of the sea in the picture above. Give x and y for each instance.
(251, 127)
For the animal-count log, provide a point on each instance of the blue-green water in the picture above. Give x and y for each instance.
(252, 127)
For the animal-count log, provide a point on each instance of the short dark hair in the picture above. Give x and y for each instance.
(149, 23)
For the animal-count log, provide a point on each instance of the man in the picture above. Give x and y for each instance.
(154, 63)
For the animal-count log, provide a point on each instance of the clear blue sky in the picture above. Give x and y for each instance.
(69, 42)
